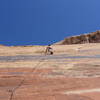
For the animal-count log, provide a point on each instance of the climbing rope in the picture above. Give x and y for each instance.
(22, 81)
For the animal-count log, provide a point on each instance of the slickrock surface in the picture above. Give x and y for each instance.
(72, 73)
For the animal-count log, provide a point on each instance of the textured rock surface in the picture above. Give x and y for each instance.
(93, 37)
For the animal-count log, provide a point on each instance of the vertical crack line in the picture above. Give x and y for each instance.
(11, 95)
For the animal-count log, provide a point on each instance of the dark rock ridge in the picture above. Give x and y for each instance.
(93, 37)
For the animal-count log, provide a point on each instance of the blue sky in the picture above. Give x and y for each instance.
(42, 22)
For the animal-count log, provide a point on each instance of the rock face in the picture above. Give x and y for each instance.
(93, 37)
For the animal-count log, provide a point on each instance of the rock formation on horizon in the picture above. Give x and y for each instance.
(93, 37)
